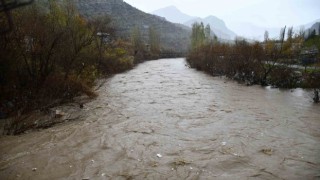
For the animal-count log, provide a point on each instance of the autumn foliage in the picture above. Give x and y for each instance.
(53, 53)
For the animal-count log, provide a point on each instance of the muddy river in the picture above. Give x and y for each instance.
(163, 120)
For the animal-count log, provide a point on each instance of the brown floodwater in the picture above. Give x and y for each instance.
(163, 120)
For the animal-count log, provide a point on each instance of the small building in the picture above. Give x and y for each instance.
(104, 37)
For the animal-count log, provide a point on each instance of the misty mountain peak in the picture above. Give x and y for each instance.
(171, 8)
(216, 20)
(173, 14)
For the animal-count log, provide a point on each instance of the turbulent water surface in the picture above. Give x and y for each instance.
(163, 120)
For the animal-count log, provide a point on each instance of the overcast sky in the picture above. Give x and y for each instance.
(267, 13)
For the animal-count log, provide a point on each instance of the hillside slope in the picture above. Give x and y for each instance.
(125, 17)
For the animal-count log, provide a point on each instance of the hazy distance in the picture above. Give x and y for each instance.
(236, 13)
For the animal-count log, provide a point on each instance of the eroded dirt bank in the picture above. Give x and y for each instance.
(163, 120)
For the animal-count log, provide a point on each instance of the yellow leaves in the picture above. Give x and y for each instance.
(89, 74)
(118, 59)
(270, 46)
(115, 52)
(57, 14)
(81, 21)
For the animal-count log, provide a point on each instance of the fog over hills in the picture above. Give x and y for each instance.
(218, 26)
(227, 30)
(173, 14)
(256, 32)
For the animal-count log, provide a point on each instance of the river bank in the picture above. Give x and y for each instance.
(163, 120)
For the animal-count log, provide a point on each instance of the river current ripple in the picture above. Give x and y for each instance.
(163, 120)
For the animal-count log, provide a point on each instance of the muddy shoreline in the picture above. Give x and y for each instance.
(58, 112)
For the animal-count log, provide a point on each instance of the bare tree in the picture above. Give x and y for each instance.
(272, 57)
(266, 36)
(6, 7)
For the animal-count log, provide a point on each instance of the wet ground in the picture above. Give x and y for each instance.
(163, 120)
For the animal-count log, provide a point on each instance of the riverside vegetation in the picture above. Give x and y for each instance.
(267, 63)
(54, 54)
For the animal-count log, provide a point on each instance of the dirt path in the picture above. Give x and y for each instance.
(163, 120)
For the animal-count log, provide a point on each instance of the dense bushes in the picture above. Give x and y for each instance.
(53, 53)
(241, 61)
(267, 63)
(247, 62)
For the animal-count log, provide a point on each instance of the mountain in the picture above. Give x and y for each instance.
(125, 17)
(173, 14)
(315, 27)
(309, 25)
(217, 25)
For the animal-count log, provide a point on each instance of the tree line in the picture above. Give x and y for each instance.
(53, 54)
(265, 63)
(145, 46)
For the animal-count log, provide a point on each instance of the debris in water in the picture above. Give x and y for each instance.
(58, 113)
(154, 164)
(92, 161)
(34, 169)
(99, 107)
(103, 174)
(179, 162)
(267, 151)
(224, 143)
(159, 155)
(191, 168)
